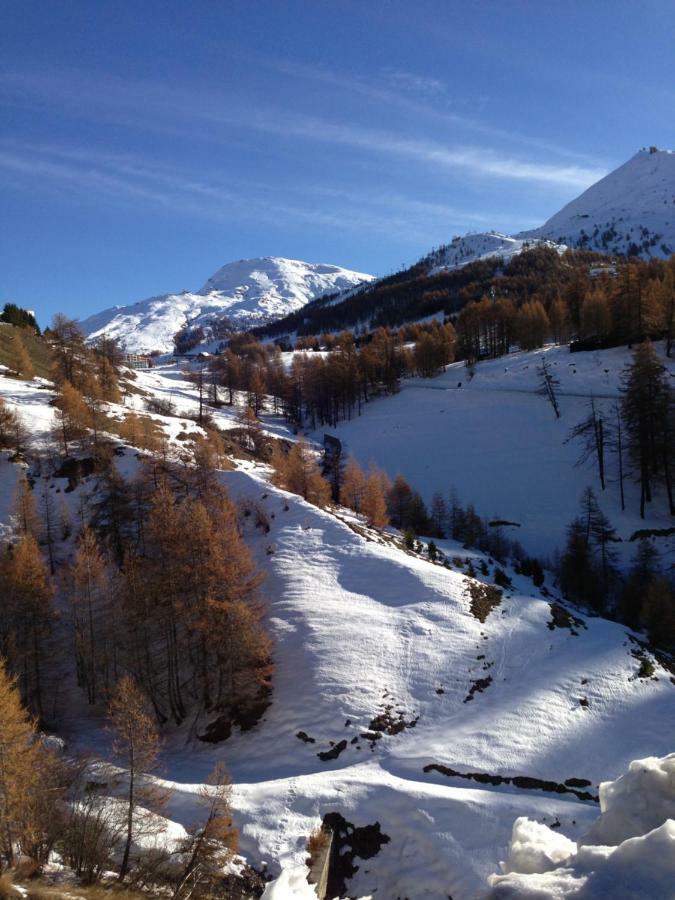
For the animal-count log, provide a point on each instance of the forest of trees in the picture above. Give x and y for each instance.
(638, 302)
(147, 601)
(607, 311)
(15, 315)
(48, 803)
(148, 598)
(322, 388)
(632, 440)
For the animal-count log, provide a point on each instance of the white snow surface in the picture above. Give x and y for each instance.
(497, 442)
(480, 246)
(634, 204)
(359, 624)
(628, 853)
(290, 885)
(249, 292)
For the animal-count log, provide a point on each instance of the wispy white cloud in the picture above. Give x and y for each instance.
(442, 113)
(125, 179)
(411, 81)
(149, 106)
(476, 160)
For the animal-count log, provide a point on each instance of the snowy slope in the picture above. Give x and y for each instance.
(630, 210)
(479, 246)
(360, 625)
(499, 445)
(249, 292)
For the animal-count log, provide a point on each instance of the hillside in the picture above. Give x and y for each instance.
(630, 211)
(38, 349)
(481, 246)
(239, 296)
(496, 442)
(400, 697)
(439, 285)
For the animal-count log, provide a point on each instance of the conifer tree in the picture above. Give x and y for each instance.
(399, 502)
(89, 590)
(354, 485)
(439, 514)
(49, 525)
(658, 613)
(374, 502)
(644, 569)
(596, 318)
(13, 434)
(592, 433)
(301, 475)
(21, 361)
(211, 842)
(28, 597)
(71, 357)
(533, 325)
(136, 744)
(647, 408)
(30, 786)
(559, 317)
(24, 509)
(72, 416)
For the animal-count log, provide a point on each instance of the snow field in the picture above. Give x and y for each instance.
(499, 445)
(360, 626)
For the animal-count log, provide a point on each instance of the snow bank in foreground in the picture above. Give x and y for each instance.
(628, 853)
(290, 885)
(637, 802)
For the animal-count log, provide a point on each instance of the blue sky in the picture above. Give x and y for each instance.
(144, 145)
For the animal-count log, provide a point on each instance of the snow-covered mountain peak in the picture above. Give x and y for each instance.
(631, 210)
(277, 272)
(246, 293)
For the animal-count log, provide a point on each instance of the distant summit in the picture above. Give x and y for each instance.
(246, 293)
(482, 245)
(631, 211)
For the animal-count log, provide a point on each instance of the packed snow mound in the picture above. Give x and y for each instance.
(637, 802)
(246, 293)
(629, 211)
(629, 852)
(483, 245)
(290, 885)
